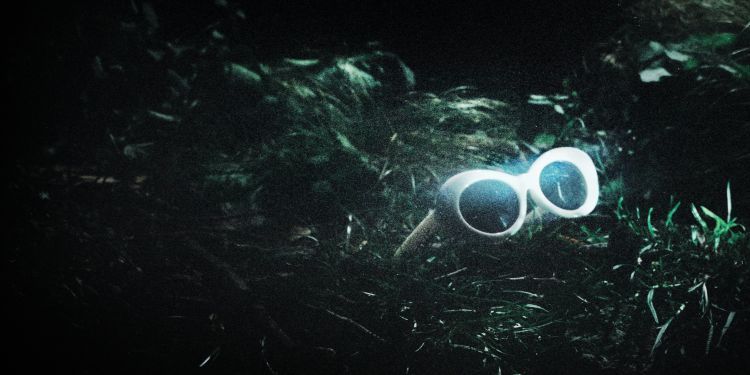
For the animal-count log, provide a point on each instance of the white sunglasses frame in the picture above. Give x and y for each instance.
(448, 212)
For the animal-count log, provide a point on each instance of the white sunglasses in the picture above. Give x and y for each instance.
(493, 204)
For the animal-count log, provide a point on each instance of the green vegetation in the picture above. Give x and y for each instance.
(241, 214)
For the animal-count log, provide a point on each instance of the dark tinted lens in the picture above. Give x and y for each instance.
(562, 183)
(489, 206)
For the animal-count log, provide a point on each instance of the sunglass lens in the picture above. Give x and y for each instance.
(489, 206)
(563, 184)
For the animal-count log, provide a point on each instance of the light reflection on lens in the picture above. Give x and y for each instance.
(489, 206)
(563, 184)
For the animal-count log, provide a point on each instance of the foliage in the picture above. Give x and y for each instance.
(679, 18)
(693, 280)
(248, 208)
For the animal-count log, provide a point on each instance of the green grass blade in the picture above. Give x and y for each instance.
(650, 303)
(533, 306)
(720, 223)
(724, 329)
(671, 213)
(729, 203)
(651, 229)
(698, 218)
(620, 211)
(696, 286)
(660, 335)
(704, 299)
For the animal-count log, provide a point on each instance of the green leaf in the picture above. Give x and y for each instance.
(676, 55)
(544, 140)
(243, 74)
(653, 50)
(654, 74)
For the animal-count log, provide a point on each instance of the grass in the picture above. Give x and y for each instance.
(674, 270)
(243, 216)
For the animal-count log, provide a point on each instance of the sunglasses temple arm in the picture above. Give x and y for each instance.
(420, 234)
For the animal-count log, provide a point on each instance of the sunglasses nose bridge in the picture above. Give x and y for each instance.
(527, 182)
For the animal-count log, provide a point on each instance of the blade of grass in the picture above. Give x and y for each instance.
(709, 336)
(651, 229)
(724, 329)
(650, 303)
(660, 335)
(533, 306)
(663, 329)
(720, 223)
(729, 203)
(696, 286)
(704, 299)
(620, 211)
(698, 218)
(671, 213)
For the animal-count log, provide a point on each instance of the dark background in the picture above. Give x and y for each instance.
(519, 46)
